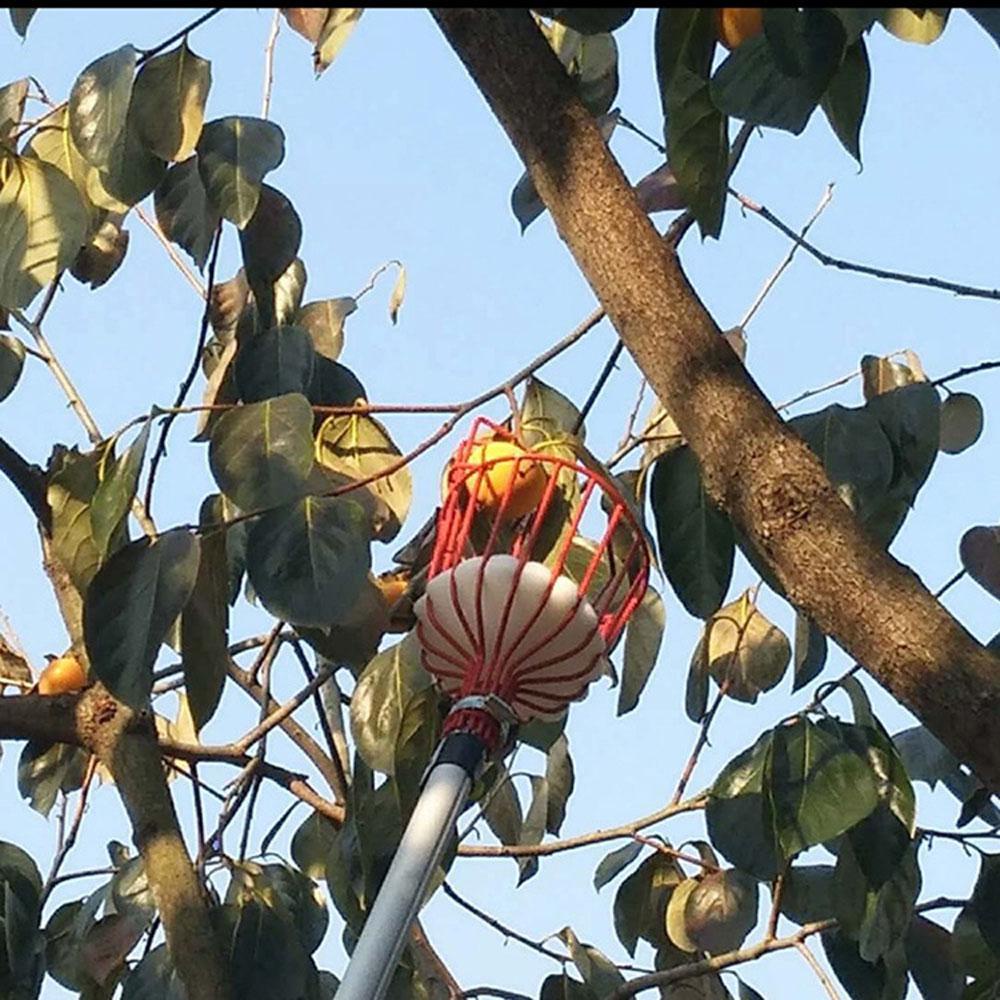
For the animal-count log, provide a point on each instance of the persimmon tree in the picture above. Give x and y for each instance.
(310, 483)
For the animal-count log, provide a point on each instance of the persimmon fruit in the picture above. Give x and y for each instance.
(735, 25)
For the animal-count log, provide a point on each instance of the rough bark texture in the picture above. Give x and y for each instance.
(760, 472)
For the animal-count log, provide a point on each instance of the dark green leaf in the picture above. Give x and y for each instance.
(695, 537)
(613, 864)
(747, 992)
(698, 148)
(863, 980)
(154, 978)
(979, 551)
(384, 689)
(116, 489)
(270, 242)
(988, 18)
(808, 893)
(130, 606)
(312, 843)
(685, 39)
(334, 384)
(205, 621)
(168, 102)
(20, 18)
(71, 484)
(502, 809)
(562, 987)
(99, 104)
(809, 652)
(132, 171)
(234, 155)
(101, 256)
(324, 321)
(846, 98)
(183, 211)
(985, 902)
(641, 902)
(274, 363)
(933, 960)
(559, 775)
(961, 422)
(533, 828)
(46, 769)
(11, 363)
(308, 560)
(261, 454)
(910, 417)
(643, 637)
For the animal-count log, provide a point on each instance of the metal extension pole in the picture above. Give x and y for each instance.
(377, 952)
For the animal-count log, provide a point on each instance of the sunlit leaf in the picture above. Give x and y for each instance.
(99, 105)
(721, 911)
(597, 971)
(641, 901)
(12, 98)
(101, 256)
(11, 363)
(397, 296)
(168, 102)
(923, 25)
(336, 29)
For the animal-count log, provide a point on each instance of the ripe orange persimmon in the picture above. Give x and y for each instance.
(62, 675)
(735, 25)
(525, 479)
(392, 586)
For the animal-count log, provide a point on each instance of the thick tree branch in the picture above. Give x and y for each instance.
(759, 471)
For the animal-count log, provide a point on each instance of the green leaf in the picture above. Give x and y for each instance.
(818, 786)
(308, 560)
(739, 817)
(46, 769)
(20, 18)
(358, 447)
(502, 808)
(589, 20)
(695, 537)
(933, 960)
(337, 28)
(101, 256)
(855, 452)
(721, 911)
(130, 606)
(416, 740)
(99, 105)
(808, 893)
(234, 155)
(547, 416)
(273, 363)
(979, 551)
(132, 171)
(846, 98)
(261, 454)
(920, 25)
(863, 980)
(643, 637)
(985, 902)
(72, 480)
(911, 419)
(312, 843)
(778, 78)
(685, 39)
(384, 689)
(740, 646)
(270, 242)
(43, 224)
(599, 974)
(961, 422)
(533, 827)
(988, 19)
(698, 148)
(12, 98)
(324, 322)
(560, 986)
(613, 864)
(334, 384)
(205, 621)
(11, 363)
(154, 977)
(116, 489)
(168, 102)
(560, 779)
(183, 211)
(809, 652)
(641, 902)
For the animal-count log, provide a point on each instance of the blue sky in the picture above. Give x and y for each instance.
(393, 154)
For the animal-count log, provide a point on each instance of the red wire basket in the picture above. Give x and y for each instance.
(520, 608)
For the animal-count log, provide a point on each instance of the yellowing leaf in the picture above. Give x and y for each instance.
(920, 25)
(340, 22)
(168, 102)
(43, 223)
(398, 292)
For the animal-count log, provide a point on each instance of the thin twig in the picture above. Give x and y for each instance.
(803, 949)
(148, 54)
(983, 366)
(626, 124)
(583, 840)
(609, 367)
(970, 291)
(948, 584)
(374, 276)
(189, 276)
(272, 38)
(161, 445)
(777, 892)
(782, 267)
(67, 842)
(700, 742)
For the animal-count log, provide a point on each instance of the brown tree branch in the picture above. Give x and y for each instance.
(757, 469)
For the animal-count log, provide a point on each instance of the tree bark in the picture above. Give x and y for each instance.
(757, 469)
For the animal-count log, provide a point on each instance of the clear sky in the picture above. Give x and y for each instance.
(393, 154)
